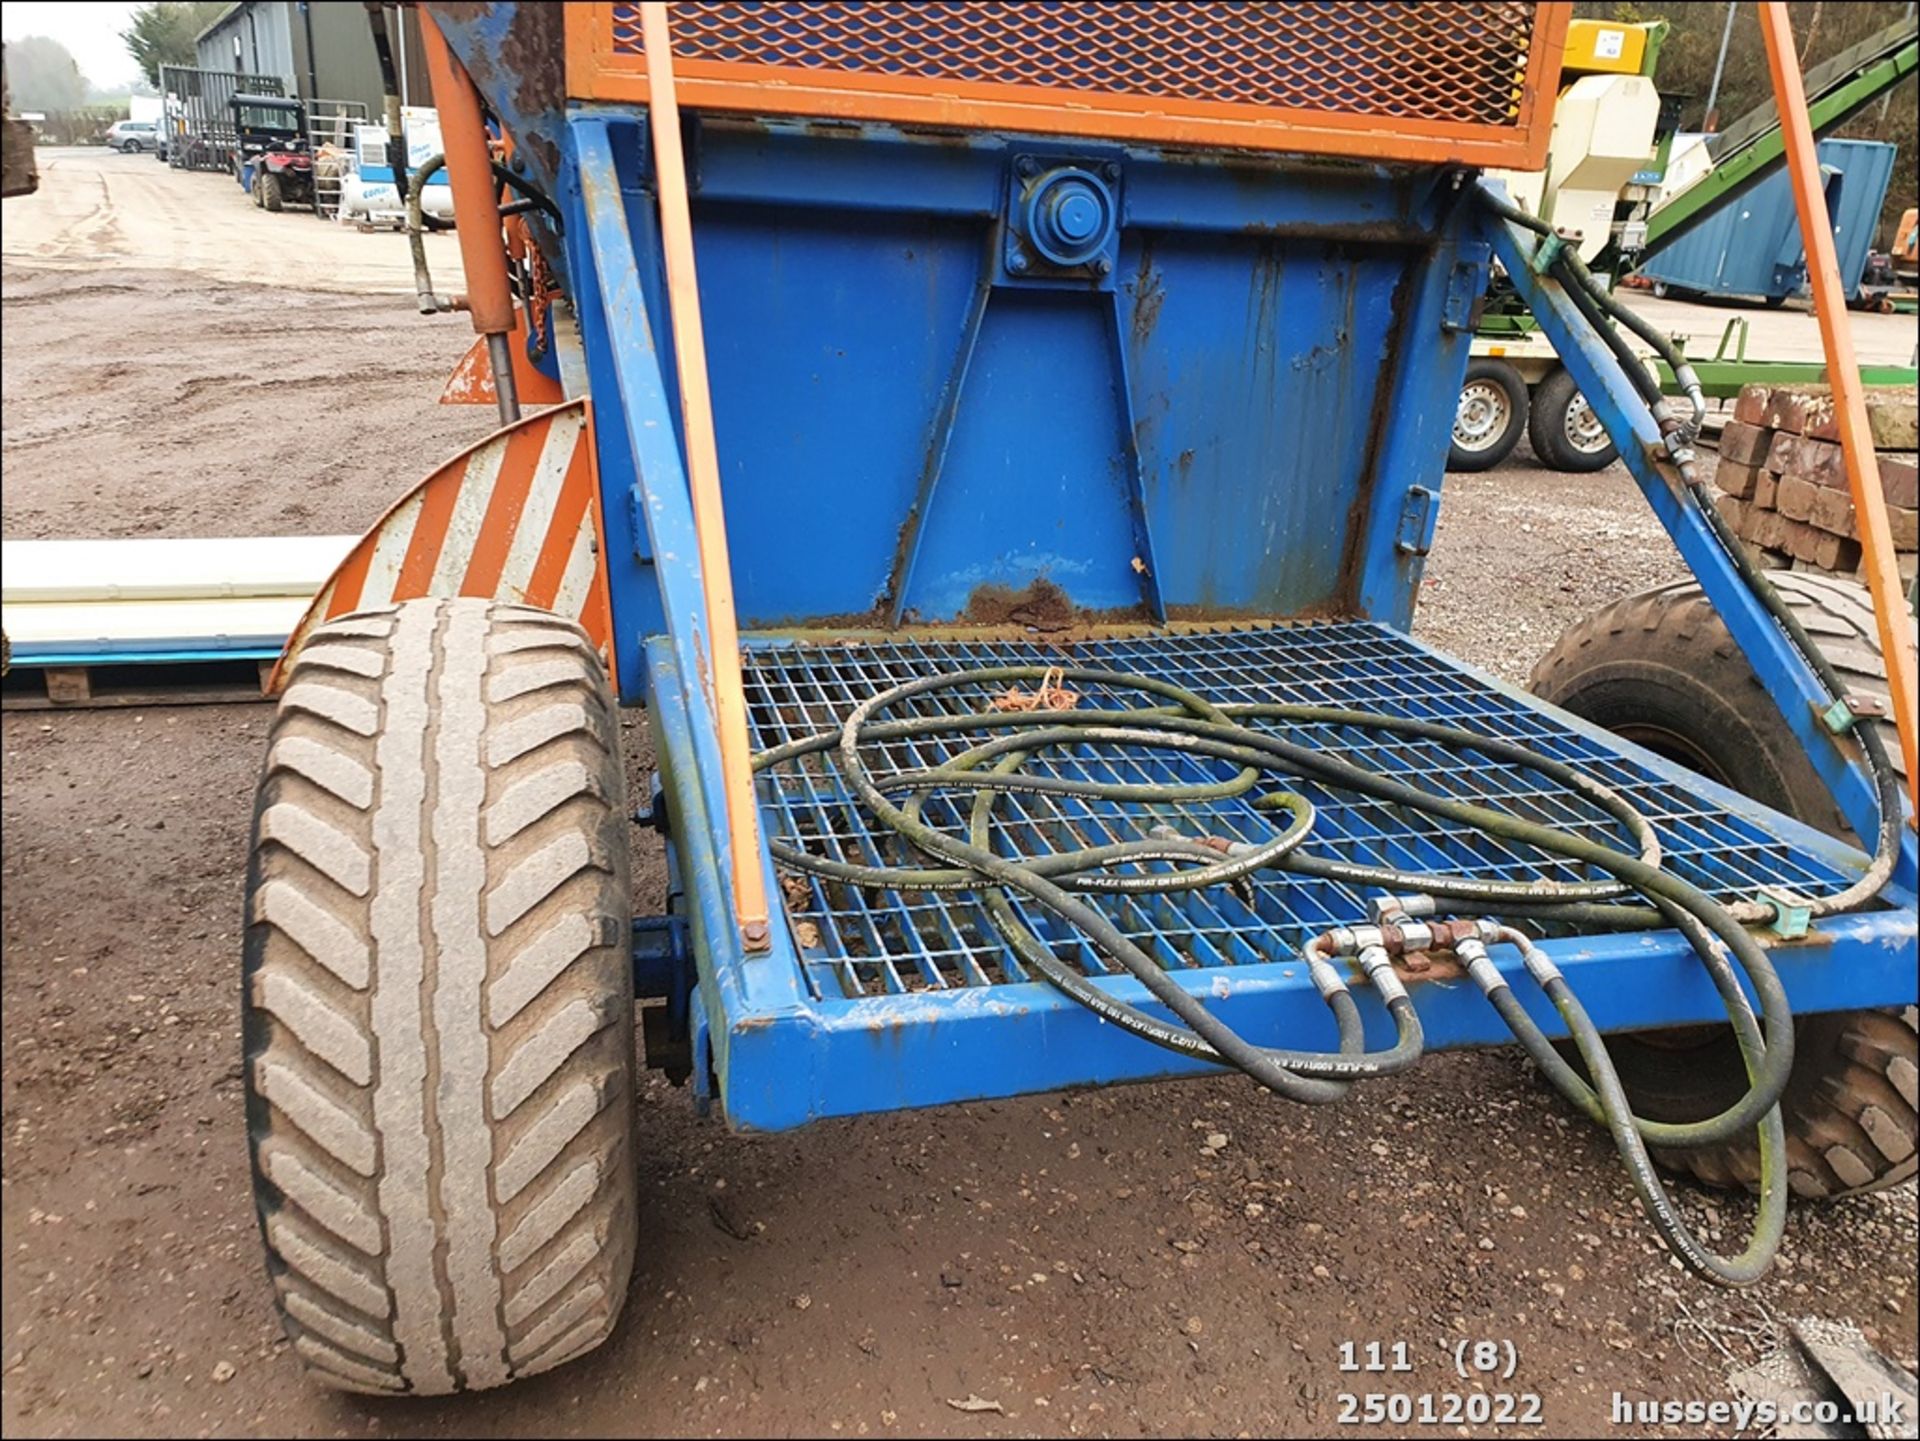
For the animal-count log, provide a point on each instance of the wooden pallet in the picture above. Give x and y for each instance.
(76, 687)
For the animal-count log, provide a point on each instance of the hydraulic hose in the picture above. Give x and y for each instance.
(1605, 1100)
(1191, 726)
(1598, 304)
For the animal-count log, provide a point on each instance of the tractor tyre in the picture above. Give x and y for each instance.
(1566, 433)
(1490, 417)
(272, 192)
(438, 1000)
(1660, 669)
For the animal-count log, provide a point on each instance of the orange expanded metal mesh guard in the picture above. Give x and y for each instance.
(1424, 83)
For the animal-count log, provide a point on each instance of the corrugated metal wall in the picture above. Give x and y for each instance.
(269, 37)
(254, 37)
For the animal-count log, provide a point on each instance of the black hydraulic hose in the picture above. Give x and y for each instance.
(1194, 727)
(1873, 746)
(428, 302)
(1606, 1101)
(535, 196)
(1588, 296)
(390, 89)
(1596, 316)
(1216, 734)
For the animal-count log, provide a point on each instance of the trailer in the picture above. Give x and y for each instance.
(999, 450)
(197, 128)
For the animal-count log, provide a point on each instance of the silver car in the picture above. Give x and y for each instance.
(130, 137)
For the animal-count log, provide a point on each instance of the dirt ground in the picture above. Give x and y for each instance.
(1086, 1263)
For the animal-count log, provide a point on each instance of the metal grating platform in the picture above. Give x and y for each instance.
(862, 942)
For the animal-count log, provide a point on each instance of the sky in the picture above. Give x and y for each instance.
(90, 29)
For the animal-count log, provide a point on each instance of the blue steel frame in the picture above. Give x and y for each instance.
(782, 1057)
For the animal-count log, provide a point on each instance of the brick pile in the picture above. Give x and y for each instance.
(1783, 481)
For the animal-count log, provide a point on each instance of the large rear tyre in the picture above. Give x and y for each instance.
(1490, 417)
(438, 1000)
(272, 191)
(1660, 669)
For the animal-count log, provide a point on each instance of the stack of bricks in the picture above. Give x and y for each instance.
(1783, 479)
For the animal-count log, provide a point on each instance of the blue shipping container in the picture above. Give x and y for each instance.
(1753, 246)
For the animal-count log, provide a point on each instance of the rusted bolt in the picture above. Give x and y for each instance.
(755, 935)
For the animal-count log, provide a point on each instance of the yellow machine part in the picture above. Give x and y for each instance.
(1604, 47)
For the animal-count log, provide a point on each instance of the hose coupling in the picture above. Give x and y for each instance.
(1539, 964)
(1387, 907)
(1350, 940)
(1327, 979)
(1480, 967)
(1378, 965)
(1213, 843)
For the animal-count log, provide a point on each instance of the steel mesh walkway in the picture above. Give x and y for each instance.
(864, 941)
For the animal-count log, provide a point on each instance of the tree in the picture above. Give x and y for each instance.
(164, 33)
(42, 75)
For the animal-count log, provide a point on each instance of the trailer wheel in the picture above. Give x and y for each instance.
(1565, 432)
(272, 193)
(1660, 669)
(438, 1000)
(1490, 417)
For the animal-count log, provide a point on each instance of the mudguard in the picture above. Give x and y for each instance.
(515, 518)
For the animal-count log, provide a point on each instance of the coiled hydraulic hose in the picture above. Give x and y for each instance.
(1591, 296)
(1192, 726)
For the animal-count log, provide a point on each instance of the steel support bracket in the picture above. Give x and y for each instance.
(1419, 519)
(1547, 253)
(1847, 712)
(1790, 915)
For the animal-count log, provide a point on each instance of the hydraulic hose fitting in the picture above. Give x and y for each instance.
(1688, 380)
(1539, 964)
(1378, 965)
(1349, 940)
(1327, 979)
(1480, 966)
(1388, 907)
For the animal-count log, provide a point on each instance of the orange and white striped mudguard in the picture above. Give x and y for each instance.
(472, 380)
(515, 518)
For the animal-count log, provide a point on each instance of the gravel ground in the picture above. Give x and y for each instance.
(1089, 1264)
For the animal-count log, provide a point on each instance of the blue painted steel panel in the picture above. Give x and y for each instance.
(1256, 364)
(1260, 314)
(1752, 244)
(827, 347)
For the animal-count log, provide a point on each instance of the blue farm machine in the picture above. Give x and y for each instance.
(998, 446)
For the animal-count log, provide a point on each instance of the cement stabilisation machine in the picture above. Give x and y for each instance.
(1076, 383)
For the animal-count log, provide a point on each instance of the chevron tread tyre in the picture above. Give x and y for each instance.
(438, 1000)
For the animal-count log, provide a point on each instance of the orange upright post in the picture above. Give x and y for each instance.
(1843, 371)
(483, 251)
(703, 477)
